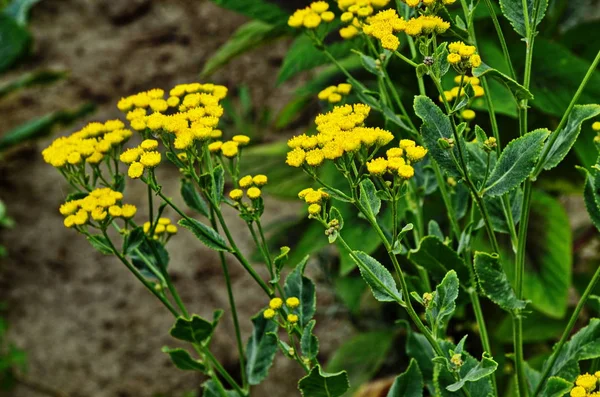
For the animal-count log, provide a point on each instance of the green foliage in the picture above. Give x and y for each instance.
(301, 287)
(517, 89)
(378, 278)
(409, 383)
(591, 197)
(261, 349)
(483, 369)
(438, 259)
(192, 198)
(440, 309)
(15, 41)
(515, 13)
(207, 235)
(322, 384)
(494, 283)
(19, 10)
(258, 9)
(210, 389)
(182, 360)
(309, 342)
(368, 198)
(100, 242)
(133, 240)
(194, 330)
(41, 77)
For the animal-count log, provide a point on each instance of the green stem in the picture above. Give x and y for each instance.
(222, 371)
(501, 38)
(405, 59)
(483, 333)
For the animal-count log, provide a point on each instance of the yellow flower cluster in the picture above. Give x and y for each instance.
(314, 199)
(277, 303)
(99, 205)
(340, 132)
(141, 157)
(231, 148)
(335, 93)
(454, 92)
(463, 56)
(585, 385)
(90, 145)
(596, 126)
(355, 12)
(163, 227)
(399, 160)
(427, 3)
(252, 184)
(311, 16)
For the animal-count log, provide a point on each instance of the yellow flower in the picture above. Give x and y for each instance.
(171, 229)
(292, 302)
(69, 221)
(214, 147)
(406, 143)
(314, 209)
(394, 152)
(313, 197)
(292, 318)
(160, 229)
(344, 88)
(587, 381)
(69, 208)
(135, 170)
(236, 194)
(128, 211)
(334, 98)
(394, 163)
(150, 159)
(478, 90)
(468, 114)
(149, 144)
(319, 6)
(390, 42)
(74, 158)
(377, 166)
(230, 149)
(453, 59)
(302, 194)
(416, 153)
(269, 314)
(578, 391)
(276, 303)
(406, 171)
(412, 3)
(311, 20)
(164, 221)
(475, 60)
(115, 211)
(348, 32)
(81, 217)
(99, 214)
(253, 193)
(246, 181)
(260, 180)
(328, 16)
(315, 157)
(296, 157)
(596, 126)
(95, 158)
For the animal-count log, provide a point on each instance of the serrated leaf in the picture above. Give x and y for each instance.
(517, 89)
(257, 9)
(261, 349)
(484, 368)
(133, 240)
(309, 342)
(301, 287)
(568, 135)
(438, 259)
(494, 283)
(368, 198)
(182, 360)
(496, 210)
(478, 162)
(207, 235)
(378, 278)
(516, 162)
(436, 125)
(591, 198)
(442, 306)
(409, 383)
(513, 11)
(192, 198)
(100, 243)
(193, 330)
(557, 387)
(322, 384)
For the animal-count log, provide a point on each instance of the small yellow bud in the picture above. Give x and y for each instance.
(260, 180)
(246, 181)
(242, 140)
(236, 194)
(171, 229)
(292, 302)
(149, 144)
(292, 318)
(578, 391)
(596, 126)
(468, 114)
(253, 193)
(276, 303)
(269, 314)
(314, 209)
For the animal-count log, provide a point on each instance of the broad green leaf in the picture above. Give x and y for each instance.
(494, 283)
(483, 369)
(151, 258)
(368, 198)
(591, 198)
(322, 384)
(210, 389)
(496, 210)
(514, 12)
(478, 162)
(250, 35)
(100, 242)
(19, 10)
(370, 64)
(568, 135)
(263, 10)
(436, 126)
(517, 89)
(438, 259)
(309, 342)
(261, 349)
(14, 41)
(303, 56)
(350, 290)
(516, 162)
(557, 387)
(40, 77)
(133, 240)
(409, 383)
(440, 65)
(378, 278)
(442, 306)
(182, 360)
(301, 287)
(362, 356)
(192, 198)
(193, 330)
(207, 235)
(536, 328)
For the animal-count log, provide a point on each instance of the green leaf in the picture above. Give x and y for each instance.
(377, 277)
(14, 41)
(438, 259)
(591, 198)
(442, 306)
(133, 240)
(513, 11)
(440, 61)
(370, 64)
(194, 330)
(261, 349)
(557, 387)
(301, 287)
(40, 77)
(484, 368)
(219, 174)
(309, 342)
(409, 383)
(334, 213)
(192, 198)
(100, 242)
(321, 384)
(517, 89)
(494, 283)
(250, 35)
(303, 56)
(207, 235)
(496, 210)
(368, 198)
(536, 328)
(516, 162)
(478, 161)
(257, 9)
(182, 360)
(19, 10)
(568, 135)
(436, 126)
(210, 389)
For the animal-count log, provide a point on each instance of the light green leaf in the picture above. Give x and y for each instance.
(133, 239)
(257, 9)
(368, 198)
(568, 135)
(321, 384)
(250, 35)
(438, 259)
(536, 328)
(513, 11)
(301, 287)
(261, 349)
(14, 41)
(517, 89)
(207, 235)
(370, 64)
(483, 369)
(192, 198)
(516, 162)
(494, 283)
(100, 242)
(182, 360)
(436, 126)
(442, 306)
(309, 342)
(194, 330)
(409, 383)
(557, 387)
(377, 277)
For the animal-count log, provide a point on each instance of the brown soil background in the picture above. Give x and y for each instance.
(89, 328)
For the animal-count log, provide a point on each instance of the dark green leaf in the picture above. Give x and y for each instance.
(494, 283)
(557, 387)
(370, 64)
(442, 306)
(133, 240)
(438, 259)
(513, 11)
(210, 389)
(378, 277)
(517, 89)
(39, 77)
(301, 287)
(309, 342)
(14, 41)
(334, 213)
(591, 198)
(192, 198)
(321, 384)
(101, 244)
(433, 229)
(207, 235)
(219, 173)
(368, 198)
(409, 383)
(484, 368)
(496, 210)
(281, 259)
(440, 61)
(261, 349)
(257, 9)
(516, 162)
(182, 360)
(194, 330)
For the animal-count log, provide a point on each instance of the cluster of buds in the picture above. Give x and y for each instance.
(332, 227)
(276, 304)
(463, 57)
(490, 144)
(335, 93)
(314, 199)
(311, 16)
(161, 229)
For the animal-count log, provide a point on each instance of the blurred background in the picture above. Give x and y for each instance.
(76, 323)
